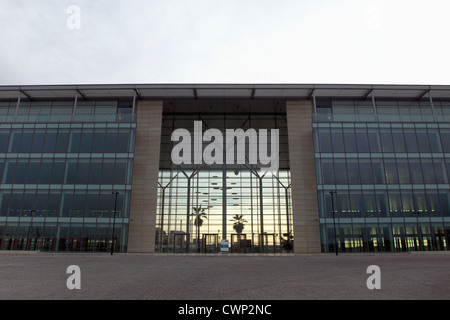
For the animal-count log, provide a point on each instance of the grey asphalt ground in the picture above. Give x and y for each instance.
(224, 277)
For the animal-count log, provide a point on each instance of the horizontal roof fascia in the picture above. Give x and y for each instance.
(222, 91)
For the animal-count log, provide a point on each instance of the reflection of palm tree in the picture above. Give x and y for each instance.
(199, 214)
(239, 223)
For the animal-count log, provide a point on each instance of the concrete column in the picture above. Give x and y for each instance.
(303, 177)
(141, 235)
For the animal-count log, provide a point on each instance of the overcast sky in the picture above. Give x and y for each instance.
(224, 41)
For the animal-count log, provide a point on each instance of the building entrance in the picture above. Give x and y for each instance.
(208, 203)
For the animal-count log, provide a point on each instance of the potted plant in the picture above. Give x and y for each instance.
(287, 242)
(238, 225)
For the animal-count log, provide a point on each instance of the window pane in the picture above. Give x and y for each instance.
(407, 202)
(356, 203)
(15, 204)
(67, 204)
(15, 140)
(85, 108)
(382, 203)
(53, 204)
(120, 172)
(343, 204)
(353, 171)
(123, 141)
(21, 172)
(33, 172)
(403, 171)
(328, 171)
(428, 171)
(86, 141)
(324, 140)
(26, 141)
(40, 204)
(390, 171)
(395, 204)
(365, 170)
(62, 140)
(111, 141)
(374, 140)
(386, 140)
(423, 141)
(434, 207)
(445, 139)
(398, 139)
(370, 207)
(106, 201)
(337, 140)
(108, 172)
(415, 171)
(71, 172)
(58, 170)
(435, 141)
(340, 168)
(2, 164)
(92, 205)
(444, 198)
(10, 171)
(63, 108)
(362, 140)
(82, 175)
(75, 140)
(95, 172)
(350, 140)
(411, 141)
(78, 204)
(50, 141)
(4, 140)
(38, 141)
(28, 204)
(45, 172)
(447, 164)
(420, 201)
(5, 197)
(99, 141)
(378, 171)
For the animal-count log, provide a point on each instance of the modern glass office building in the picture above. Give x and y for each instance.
(360, 168)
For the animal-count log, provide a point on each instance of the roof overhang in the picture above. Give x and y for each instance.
(222, 91)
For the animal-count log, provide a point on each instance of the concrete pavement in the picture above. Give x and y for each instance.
(224, 277)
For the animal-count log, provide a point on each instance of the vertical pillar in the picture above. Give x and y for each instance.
(142, 227)
(303, 177)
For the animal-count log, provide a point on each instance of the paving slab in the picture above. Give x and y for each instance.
(43, 276)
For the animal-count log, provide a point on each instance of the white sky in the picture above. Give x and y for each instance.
(225, 41)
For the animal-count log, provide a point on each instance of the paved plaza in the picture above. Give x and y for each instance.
(225, 277)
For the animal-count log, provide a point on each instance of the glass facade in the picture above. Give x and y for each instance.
(389, 163)
(60, 161)
(230, 197)
(382, 169)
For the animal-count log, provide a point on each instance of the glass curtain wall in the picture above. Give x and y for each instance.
(227, 200)
(391, 177)
(57, 177)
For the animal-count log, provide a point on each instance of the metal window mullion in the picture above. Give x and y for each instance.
(17, 105)
(74, 105)
(374, 105)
